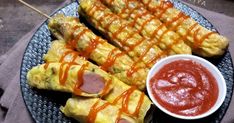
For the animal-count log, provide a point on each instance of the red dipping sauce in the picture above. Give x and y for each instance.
(184, 87)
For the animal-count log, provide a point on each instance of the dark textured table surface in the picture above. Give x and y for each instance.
(16, 19)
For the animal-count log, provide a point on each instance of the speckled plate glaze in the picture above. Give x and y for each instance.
(44, 105)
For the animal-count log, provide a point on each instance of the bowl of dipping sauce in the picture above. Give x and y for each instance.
(186, 86)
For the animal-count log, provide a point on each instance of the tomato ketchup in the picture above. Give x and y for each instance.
(184, 87)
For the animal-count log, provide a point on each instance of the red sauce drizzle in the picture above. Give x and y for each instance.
(94, 111)
(112, 19)
(65, 54)
(115, 34)
(133, 68)
(81, 33)
(125, 96)
(118, 116)
(195, 38)
(186, 34)
(127, 4)
(198, 43)
(138, 16)
(105, 89)
(92, 114)
(180, 15)
(164, 5)
(109, 61)
(180, 22)
(92, 46)
(146, 22)
(72, 42)
(190, 29)
(80, 80)
(46, 65)
(140, 102)
(147, 4)
(107, 26)
(132, 10)
(149, 63)
(63, 74)
(102, 18)
(156, 31)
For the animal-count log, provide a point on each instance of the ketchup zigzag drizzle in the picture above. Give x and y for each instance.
(111, 59)
(144, 13)
(125, 96)
(63, 74)
(164, 5)
(94, 110)
(80, 80)
(112, 16)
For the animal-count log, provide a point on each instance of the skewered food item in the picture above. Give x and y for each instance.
(67, 71)
(118, 31)
(82, 80)
(148, 25)
(132, 101)
(97, 49)
(202, 41)
(94, 110)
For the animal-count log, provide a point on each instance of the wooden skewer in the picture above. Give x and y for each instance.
(33, 8)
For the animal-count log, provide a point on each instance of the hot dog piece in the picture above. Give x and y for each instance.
(80, 80)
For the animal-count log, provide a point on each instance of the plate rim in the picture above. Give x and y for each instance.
(68, 4)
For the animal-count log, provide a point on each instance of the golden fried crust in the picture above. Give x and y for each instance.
(202, 41)
(118, 31)
(148, 25)
(79, 108)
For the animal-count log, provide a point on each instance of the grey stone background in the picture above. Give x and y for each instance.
(16, 20)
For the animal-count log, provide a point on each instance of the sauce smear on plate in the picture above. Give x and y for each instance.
(184, 87)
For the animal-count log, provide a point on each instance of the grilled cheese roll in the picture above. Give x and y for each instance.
(203, 42)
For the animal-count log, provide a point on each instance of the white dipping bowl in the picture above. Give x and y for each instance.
(210, 67)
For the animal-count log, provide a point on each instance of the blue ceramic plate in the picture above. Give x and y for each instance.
(44, 105)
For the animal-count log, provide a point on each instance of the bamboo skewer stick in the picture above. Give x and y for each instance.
(35, 9)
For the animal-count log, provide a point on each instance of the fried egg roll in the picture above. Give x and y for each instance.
(82, 80)
(88, 81)
(94, 110)
(95, 48)
(116, 95)
(119, 33)
(203, 42)
(148, 25)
